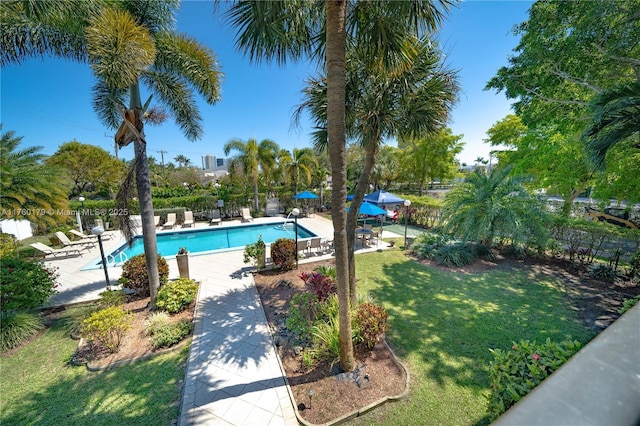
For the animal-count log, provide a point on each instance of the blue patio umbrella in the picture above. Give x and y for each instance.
(305, 195)
(383, 197)
(349, 197)
(370, 210)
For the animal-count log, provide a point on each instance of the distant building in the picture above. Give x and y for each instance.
(207, 162)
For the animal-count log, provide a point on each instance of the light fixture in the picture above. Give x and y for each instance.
(99, 230)
(406, 203)
(295, 212)
(84, 225)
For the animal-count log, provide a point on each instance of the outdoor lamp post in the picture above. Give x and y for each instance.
(296, 212)
(98, 230)
(406, 203)
(82, 221)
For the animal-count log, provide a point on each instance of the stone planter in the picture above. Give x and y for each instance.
(183, 265)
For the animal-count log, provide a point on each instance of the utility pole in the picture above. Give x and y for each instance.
(115, 144)
(162, 153)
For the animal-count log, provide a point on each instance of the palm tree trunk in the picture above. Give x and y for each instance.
(361, 187)
(336, 82)
(146, 204)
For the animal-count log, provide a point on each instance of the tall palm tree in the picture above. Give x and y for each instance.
(252, 157)
(616, 118)
(386, 99)
(182, 160)
(28, 189)
(492, 205)
(126, 44)
(300, 167)
(282, 30)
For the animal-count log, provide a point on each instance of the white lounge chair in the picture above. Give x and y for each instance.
(246, 215)
(85, 243)
(171, 221)
(82, 236)
(215, 217)
(188, 219)
(63, 252)
(156, 221)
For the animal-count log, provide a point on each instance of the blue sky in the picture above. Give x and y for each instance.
(48, 102)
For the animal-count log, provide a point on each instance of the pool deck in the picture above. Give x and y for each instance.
(233, 374)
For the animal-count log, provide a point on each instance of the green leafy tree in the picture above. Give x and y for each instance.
(252, 156)
(432, 156)
(556, 159)
(493, 205)
(88, 168)
(28, 189)
(567, 61)
(182, 160)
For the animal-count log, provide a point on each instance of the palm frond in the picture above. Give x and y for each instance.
(106, 101)
(184, 56)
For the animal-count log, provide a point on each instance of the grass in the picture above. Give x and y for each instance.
(39, 386)
(443, 325)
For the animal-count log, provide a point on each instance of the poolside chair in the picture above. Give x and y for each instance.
(315, 244)
(215, 217)
(86, 243)
(171, 221)
(246, 215)
(188, 219)
(303, 245)
(63, 252)
(156, 221)
(90, 237)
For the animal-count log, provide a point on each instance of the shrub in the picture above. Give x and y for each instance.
(628, 304)
(175, 296)
(283, 253)
(453, 255)
(326, 337)
(18, 327)
(170, 334)
(370, 323)
(322, 286)
(135, 276)
(602, 272)
(426, 244)
(25, 285)
(634, 265)
(302, 314)
(514, 373)
(326, 270)
(111, 298)
(8, 246)
(107, 327)
(255, 253)
(155, 322)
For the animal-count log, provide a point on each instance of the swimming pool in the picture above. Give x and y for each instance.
(204, 241)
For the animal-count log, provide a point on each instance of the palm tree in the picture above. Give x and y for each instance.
(282, 30)
(251, 158)
(300, 167)
(409, 97)
(182, 160)
(28, 189)
(125, 43)
(493, 205)
(616, 118)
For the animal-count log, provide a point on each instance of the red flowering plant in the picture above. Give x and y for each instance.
(322, 286)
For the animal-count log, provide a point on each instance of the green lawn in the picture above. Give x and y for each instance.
(39, 386)
(443, 325)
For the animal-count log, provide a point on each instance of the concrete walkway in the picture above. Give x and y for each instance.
(233, 374)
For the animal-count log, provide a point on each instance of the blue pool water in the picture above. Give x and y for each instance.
(208, 240)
